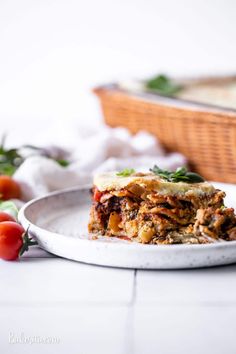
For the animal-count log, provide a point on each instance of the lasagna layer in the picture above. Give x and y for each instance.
(145, 209)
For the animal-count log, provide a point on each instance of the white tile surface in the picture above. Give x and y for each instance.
(104, 310)
(36, 252)
(81, 330)
(55, 280)
(184, 330)
(200, 286)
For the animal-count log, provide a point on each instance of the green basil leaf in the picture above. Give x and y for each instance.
(194, 177)
(181, 174)
(126, 172)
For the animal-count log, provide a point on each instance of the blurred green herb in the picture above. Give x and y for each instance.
(9, 207)
(63, 162)
(43, 152)
(10, 159)
(163, 85)
(126, 172)
(181, 174)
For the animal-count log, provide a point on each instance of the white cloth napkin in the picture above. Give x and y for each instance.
(105, 149)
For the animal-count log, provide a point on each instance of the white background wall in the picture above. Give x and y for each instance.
(53, 52)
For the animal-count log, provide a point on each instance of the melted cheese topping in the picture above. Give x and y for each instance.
(110, 181)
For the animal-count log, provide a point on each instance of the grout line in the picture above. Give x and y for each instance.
(64, 304)
(196, 304)
(129, 330)
(134, 293)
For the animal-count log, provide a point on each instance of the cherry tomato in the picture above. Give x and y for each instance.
(97, 195)
(6, 217)
(9, 188)
(11, 240)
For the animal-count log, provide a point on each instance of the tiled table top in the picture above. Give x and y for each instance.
(52, 305)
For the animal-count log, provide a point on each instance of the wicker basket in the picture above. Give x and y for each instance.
(205, 134)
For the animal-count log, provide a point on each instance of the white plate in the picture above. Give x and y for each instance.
(59, 223)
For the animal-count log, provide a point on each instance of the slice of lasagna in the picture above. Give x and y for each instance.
(158, 208)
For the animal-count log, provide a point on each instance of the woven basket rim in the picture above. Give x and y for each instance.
(164, 100)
